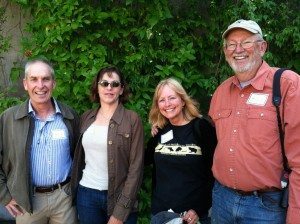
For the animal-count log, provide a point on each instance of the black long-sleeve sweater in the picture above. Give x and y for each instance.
(182, 158)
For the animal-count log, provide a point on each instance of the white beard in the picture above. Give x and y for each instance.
(254, 62)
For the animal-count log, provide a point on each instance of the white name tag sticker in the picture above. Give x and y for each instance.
(167, 137)
(258, 99)
(58, 134)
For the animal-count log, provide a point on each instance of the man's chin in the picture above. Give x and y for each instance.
(240, 69)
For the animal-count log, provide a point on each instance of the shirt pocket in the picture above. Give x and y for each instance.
(258, 117)
(262, 127)
(124, 140)
(222, 122)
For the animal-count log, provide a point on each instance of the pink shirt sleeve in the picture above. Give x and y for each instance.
(290, 111)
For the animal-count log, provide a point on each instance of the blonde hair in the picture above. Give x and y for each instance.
(190, 110)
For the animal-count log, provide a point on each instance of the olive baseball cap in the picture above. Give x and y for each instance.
(249, 25)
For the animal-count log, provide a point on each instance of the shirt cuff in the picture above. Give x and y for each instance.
(121, 213)
(293, 215)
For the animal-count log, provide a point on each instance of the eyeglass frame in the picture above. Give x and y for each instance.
(241, 44)
(112, 84)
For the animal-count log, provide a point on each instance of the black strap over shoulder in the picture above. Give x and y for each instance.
(276, 87)
(276, 99)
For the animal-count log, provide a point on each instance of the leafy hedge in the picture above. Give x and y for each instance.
(149, 41)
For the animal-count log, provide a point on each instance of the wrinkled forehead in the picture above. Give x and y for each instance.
(38, 69)
(110, 76)
(167, 90)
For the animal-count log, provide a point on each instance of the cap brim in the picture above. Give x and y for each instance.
(239, 27)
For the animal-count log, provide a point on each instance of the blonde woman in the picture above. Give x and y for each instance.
(181, 153)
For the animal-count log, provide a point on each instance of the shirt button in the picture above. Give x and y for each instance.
(231, 150)
(262, 114)
(126, 135)
(230, 169)
(111, 161)
(234, 131)
(110, 142)
(238, 112)
(112, 125)
(242, 95)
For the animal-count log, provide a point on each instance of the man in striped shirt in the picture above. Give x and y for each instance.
(37, 140)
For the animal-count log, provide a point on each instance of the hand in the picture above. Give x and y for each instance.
(113, 220)
(13, 208)
(191, 217)
(154, 130)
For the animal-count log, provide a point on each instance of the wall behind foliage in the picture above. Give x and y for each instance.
(12, 29)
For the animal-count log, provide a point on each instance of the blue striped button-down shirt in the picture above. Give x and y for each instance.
(50, 151)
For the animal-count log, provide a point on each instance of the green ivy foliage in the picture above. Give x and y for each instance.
(150, 41)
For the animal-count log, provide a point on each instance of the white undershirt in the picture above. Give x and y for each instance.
(95, 173)
(246, 83)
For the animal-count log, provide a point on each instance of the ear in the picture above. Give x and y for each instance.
(183, 102)
(224, 50)
(121, 91)
(25, 84)
(54, 84)
(263, 48)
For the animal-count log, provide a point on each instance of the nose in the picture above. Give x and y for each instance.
(40, 83)
(239, 48)
(109, 86)
(168, 102)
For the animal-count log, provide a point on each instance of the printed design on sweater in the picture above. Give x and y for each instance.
(180, 150)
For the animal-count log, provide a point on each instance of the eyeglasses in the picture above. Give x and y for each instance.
(245, 45)
(113, 84)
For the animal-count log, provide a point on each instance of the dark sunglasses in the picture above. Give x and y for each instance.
(112, 84)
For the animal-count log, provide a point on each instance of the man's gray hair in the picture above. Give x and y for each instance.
(29, 63)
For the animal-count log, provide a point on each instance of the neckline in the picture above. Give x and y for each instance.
(183, 125)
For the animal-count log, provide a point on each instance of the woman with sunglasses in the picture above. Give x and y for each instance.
(181, 153)
(108, 160)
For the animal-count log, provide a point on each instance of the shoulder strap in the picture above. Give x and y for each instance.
(276, 87)
(276, 99)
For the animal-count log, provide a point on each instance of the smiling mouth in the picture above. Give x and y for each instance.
(169, 110)
(240, 57)
(40, 93)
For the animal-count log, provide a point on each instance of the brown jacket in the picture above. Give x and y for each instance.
(16, 134)
(125, 154)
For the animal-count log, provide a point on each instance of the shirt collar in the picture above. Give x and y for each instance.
(258, 82)
(31, 111)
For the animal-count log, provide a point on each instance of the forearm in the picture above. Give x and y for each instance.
(13, 208)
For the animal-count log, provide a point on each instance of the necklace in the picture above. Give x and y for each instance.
(106, 118)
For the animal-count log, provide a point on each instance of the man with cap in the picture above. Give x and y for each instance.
(248, 161)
